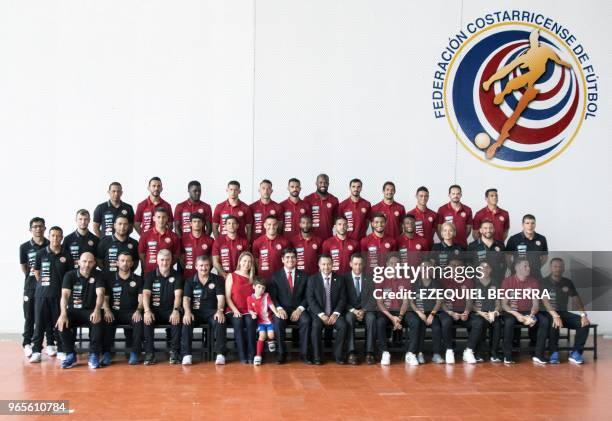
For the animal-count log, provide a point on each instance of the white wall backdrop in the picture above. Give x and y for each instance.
(92, 92)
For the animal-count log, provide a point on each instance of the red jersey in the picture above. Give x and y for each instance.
(291, 216)
(240, 293)
(308, 251)
(183, 212)
(229, 250)
(377, 248)
(499, 217)
(192, 248)
(514, 283)
(394, 212)
(460, 218)
(340, 252)
(152, 241)
(146, 209)
(260, 212)
(457, 301)
(324, 211)
(268, 254)
(426, 224)
(241, 211)
(358, 215)
(262, 306)
(411, 249)
(395, 286)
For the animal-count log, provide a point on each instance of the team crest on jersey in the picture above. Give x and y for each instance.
(387, 245)
(565, 289)
(132, 284)
(418, 247)
(171, 280)
(302, 211)
(239, 247)
(272, 212)
(538, 243)
(363, 210)
(204, 246)
(314, 246)
(26, 298)
(430, 218)
(463, 214)
(515, 87)
(200, 210)
(168, 240)
(497, 248)
(90, 242)
(124, 212)
(91, 280)
(130, 246)
(350, 247)
(396, 213)
(240, 213)
(278, 247)
(63, 259)
(329, 205)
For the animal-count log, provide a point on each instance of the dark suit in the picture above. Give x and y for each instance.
(315, 293)
(363, 301)
(289, 301)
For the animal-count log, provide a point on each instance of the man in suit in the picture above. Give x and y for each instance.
(326, 295)
(288, 292)
(361, 307)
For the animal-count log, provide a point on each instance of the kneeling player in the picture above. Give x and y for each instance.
(162, 294)
(81, 305)
(123, 306)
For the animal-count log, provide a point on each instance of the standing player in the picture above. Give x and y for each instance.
(378, 244)
(267, 249)
(486, 248)
(410, 245)
(143, 220)
(425, 218)
(184, 210)
(235, 207)
(111, 246)
(393, 211)
(293, 208)
(227, 248)
(50, 266)
(195, 243)
(263, 208)
(27, 260)
(499, 217)
(81, 305)
(324, 208)
(105, 213)
(158, 238)
(339, 247)
(356, 210)
(457, 213)
(307, 247)
(530, 245)
(261, 307)
(81, 240)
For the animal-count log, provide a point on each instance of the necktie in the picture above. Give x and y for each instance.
(290, 280)
(327, 297)
(357, 285)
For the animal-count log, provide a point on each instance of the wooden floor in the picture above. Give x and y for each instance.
(328, 392)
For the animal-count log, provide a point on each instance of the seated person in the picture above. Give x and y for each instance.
(489, 309)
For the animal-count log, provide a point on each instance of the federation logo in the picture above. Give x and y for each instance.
(514, 91)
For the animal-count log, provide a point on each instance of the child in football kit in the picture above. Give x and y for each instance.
(261, 308)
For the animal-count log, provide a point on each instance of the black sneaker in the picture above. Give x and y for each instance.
(174, 357)
(149, 358)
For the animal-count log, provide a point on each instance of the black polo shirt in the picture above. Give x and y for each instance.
(422, 294)
(532, 250)
(494, 255)
(78, 244)
(162, 289)
(105, 214)
(27, 256)
(123, 293)
(52, 269)
(485, 303)
(83, 295)
(204, 296)
(109, 249)
(560, 292)
(441, 253)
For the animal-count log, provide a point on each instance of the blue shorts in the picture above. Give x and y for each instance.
(265, 327)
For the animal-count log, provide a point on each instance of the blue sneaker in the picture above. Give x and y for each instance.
(554, 358)
(106, 359)
(133, 358)
(576, 358)
(94, 361)
(70, 361)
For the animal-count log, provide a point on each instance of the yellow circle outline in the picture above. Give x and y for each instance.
(468, 148)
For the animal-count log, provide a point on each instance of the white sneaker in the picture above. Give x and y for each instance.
(421, 358)
(468, 356)
(386, 358)
(437, 359)
(411, 359)
(61, 356)
(51, 350)
(257, 360)
(220, 360)
(271, 346)
(27, 350)
(187, 360)
(450, 356)
(36, 357)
